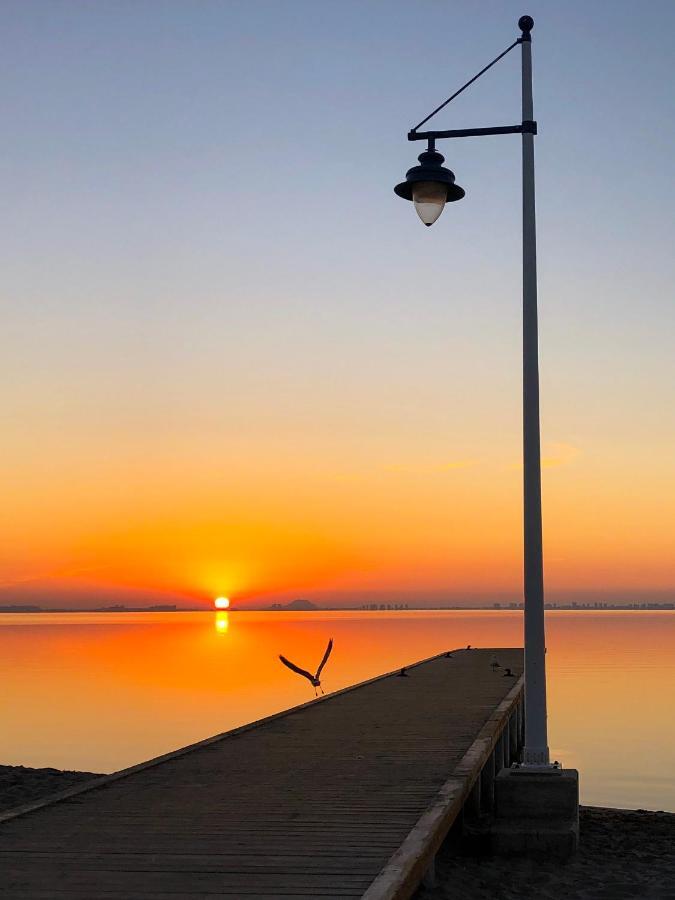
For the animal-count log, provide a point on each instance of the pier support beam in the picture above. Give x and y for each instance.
(536, 812)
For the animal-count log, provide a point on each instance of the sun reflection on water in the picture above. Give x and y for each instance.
(222, 623)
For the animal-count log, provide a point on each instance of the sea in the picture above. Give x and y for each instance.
(102, 691)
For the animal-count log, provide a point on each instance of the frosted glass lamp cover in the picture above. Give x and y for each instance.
(429, 199)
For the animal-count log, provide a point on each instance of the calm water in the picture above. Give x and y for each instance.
(103, 691)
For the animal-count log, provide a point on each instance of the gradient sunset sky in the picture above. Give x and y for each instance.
(234, 362)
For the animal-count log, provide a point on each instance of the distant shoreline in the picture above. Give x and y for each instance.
(605, 607)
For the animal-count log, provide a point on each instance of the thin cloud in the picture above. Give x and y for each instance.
(49, 576)
(559, 455)
(431, 468)
(556, 454)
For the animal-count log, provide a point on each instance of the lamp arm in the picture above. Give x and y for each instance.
(526, 127)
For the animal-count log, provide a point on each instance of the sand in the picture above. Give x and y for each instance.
(623, 853)
(19, 784)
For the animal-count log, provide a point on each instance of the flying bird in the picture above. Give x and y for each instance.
(314, 680)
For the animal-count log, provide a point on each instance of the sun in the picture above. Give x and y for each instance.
(221, 603)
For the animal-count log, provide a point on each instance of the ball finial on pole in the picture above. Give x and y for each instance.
(526, 24)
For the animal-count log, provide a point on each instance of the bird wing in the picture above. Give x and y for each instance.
(295, 668)
(325, 657)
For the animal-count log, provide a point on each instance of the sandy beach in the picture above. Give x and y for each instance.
(623, 853)
(19, 784)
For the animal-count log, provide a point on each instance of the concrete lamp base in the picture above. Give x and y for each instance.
(536, 813)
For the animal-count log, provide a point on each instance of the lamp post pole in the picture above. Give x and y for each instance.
(430, 186)
(536, 744)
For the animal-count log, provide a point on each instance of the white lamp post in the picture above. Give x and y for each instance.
(430, 186)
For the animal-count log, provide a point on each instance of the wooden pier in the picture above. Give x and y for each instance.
(350, 795)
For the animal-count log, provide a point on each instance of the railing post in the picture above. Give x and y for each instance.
(499, 755)
(429, 877)
(472, 805)
(487, 786)
(513, 736)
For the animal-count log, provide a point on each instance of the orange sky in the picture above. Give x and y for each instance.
(185, 524)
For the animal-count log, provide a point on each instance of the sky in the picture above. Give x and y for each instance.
(234, 362)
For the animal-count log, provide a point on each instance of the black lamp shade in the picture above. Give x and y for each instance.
(430, 169)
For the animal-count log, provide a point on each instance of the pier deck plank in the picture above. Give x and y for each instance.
(314, 802)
